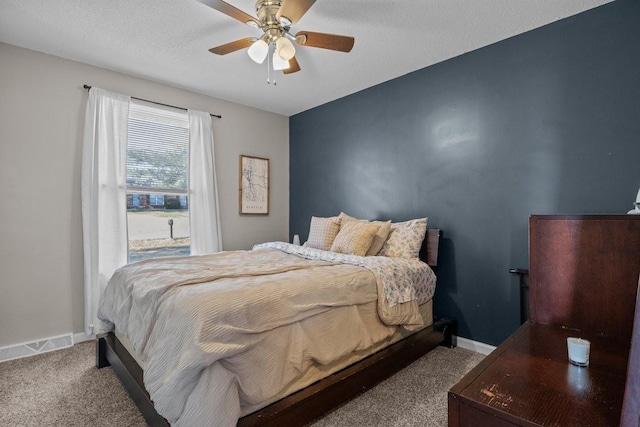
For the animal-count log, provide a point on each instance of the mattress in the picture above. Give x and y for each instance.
(206, 329)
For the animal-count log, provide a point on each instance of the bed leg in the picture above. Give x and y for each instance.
(101, 351)
(448, 329)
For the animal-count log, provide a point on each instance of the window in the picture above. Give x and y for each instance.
(157, 187)
(156, 200)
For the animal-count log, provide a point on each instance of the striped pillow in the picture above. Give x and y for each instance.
(323, 232)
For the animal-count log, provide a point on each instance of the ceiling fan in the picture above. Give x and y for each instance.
(275, 18)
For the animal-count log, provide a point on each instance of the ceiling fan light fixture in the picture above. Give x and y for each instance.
(274, 19)
(258, 51)
(279, 63)
(285, 48)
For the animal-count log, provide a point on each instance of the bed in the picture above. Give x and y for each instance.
(317, 342)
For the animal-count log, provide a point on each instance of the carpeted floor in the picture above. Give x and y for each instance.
(64, 388)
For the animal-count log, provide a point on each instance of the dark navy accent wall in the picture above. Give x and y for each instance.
(547, 122)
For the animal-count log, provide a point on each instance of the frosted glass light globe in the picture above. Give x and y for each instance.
(258, 51)
(279, 63)
(285, 48)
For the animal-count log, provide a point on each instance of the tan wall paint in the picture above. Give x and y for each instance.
(42, 106)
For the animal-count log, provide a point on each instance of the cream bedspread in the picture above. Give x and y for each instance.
(210, 326)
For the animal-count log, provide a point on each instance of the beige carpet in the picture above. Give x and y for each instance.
(64, 388)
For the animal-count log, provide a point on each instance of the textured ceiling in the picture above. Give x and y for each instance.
(168, 40)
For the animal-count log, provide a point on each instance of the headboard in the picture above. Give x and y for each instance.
(431, 247)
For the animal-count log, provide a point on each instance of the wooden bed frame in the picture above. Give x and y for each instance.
(315, 400)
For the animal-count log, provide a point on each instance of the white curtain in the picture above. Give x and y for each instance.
(204, 214)
(104, 209)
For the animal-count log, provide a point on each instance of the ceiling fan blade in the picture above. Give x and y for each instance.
(293, 66)
(233, 46)
(232, 11)
(325, 41)
(294, 9)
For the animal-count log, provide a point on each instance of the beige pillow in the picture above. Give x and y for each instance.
(344, 217)
(378, 239)
(322, 232)
(405, 239)
(354, 238)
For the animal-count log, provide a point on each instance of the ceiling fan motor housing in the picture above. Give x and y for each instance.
(267, 11)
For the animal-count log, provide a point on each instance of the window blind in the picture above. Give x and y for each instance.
(157, 149)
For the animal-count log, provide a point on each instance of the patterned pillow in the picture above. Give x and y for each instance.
(354, 238)
(322, 232)
(405, 239)
(378, 239)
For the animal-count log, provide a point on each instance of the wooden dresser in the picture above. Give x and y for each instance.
(584, 273)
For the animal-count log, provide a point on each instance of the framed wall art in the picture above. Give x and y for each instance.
(254, 185)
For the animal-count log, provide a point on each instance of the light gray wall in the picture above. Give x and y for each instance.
(42, 106)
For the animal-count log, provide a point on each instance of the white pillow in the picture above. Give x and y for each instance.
(405, 239)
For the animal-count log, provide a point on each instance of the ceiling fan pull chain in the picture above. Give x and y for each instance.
(271, 65)
(268, 68)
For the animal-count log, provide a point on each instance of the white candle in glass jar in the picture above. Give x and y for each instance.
(578, 350)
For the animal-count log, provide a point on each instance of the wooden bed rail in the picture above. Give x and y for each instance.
(110, 352)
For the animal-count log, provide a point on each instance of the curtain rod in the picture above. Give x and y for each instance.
(87, 87)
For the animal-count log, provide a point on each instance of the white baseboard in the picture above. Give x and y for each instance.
(44, 345)
(82, 337)
(477, 346)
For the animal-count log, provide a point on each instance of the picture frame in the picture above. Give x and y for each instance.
(254, 185)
